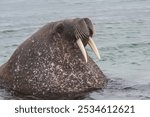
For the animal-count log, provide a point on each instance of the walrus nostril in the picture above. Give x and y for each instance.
(91, 32)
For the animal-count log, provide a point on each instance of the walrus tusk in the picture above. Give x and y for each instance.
(81, 46)
(93, 46)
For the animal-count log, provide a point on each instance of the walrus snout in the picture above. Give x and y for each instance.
(90, 26)
(84, 31)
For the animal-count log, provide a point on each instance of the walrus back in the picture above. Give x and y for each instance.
(1, 69)
(5, 77)
(1, 75)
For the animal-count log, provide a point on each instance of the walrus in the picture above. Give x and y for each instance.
(53, 62)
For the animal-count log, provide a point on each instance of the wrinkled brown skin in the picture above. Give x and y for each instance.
(50, 64)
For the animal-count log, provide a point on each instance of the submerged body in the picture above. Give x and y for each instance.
(51, 64)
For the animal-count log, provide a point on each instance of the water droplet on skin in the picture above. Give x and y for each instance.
(17, 69)
(52, 64)
(39, 53)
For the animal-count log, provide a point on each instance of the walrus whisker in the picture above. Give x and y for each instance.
(79, 33)
(82, 34)
(81, 46)
(93, 46)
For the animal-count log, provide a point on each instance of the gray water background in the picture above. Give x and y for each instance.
(123, 38)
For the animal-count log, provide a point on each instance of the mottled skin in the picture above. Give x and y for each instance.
(50, 63)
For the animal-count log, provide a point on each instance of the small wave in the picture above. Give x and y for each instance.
(13, 45)
(118, 88)
(134, 45)
(8, 31)
(125, 45)
(142, 87)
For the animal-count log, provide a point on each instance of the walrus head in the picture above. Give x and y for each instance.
(79, 30)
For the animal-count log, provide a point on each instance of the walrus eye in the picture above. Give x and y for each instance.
(59, 28)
